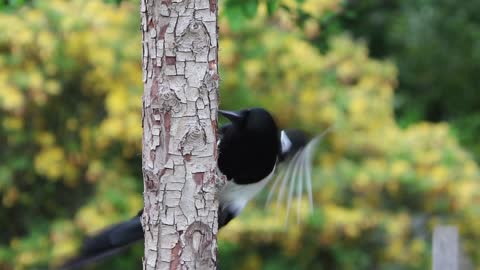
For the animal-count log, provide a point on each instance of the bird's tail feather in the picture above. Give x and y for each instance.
(106, 243)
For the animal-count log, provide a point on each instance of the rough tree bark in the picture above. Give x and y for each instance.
(180, 104)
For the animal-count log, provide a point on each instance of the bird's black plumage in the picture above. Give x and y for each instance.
(249, 146)
(107, 242)
(292, 140)
(249, 149)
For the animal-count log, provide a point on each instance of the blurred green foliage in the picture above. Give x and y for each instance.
(70, 134)
(435, 46)
(13, 3)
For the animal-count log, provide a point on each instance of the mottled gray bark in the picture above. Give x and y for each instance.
(180, 104)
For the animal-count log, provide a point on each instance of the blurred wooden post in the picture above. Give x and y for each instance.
(445, 248)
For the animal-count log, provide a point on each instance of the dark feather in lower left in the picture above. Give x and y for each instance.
(107, 242)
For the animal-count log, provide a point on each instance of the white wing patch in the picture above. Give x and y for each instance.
(285, 141)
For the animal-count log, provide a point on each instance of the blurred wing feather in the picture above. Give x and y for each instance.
(295, 174)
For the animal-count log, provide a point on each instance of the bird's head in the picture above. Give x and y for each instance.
(249, 145)
(255, 121)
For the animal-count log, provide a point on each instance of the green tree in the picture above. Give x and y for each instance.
(434, 44)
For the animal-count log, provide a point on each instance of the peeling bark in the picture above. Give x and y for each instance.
(180, 103)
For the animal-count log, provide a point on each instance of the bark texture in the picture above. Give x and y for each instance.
(180, 104)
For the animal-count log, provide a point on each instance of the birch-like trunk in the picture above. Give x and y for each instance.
(180, 104)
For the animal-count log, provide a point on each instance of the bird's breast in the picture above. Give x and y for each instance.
(235, 196)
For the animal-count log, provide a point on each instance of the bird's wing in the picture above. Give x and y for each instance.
(293, 176)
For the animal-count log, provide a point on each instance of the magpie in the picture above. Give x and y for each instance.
(251, 147)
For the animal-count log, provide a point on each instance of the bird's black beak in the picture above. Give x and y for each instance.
(235, 117)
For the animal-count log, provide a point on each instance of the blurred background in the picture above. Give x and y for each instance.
(397, 79)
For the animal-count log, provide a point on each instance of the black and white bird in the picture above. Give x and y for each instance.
(251, 148)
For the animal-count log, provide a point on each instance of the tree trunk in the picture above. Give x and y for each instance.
(180, 104)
